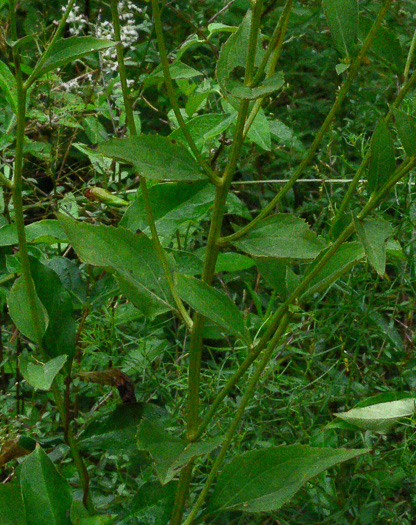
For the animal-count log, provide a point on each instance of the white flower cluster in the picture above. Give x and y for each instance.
(76, 20)
(103, 29)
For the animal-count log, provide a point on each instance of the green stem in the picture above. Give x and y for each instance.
(48, 49)
(238, 415)
(357, 177)
(24, 255)
(283, 310)
(128, 106)
(355, 66)
(172, 97)
(195, 346)
(275, 47)
(409, 57)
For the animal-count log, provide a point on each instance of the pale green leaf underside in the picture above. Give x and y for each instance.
(380, 417)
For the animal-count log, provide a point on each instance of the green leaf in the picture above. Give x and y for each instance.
(233, 262)
(282, 236)
(264, 480)
(285, 135)
(116, 430)
(80, 516)
(386, 45)
(154, 157)
(169, 453)
(347, 255)
(373, 233)
(178, 70)
(406, 128)
(382, 158)
(233, 55)
(59, 338)
(8, 85)
(18, 303)
(153, 503)
(48, 231)
(267, 87)
(133, 258)
(278, 274)
(379, 417)
(342, 17)
(41, 375)
(66, 50)
(46, 494)
(259, 131)
(173, 204)
(204, 128)
(12, 511)
(213, 304)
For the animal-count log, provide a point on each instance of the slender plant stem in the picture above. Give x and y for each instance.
(24, 255)
(409, 57)
(238, 415)
(364, 163)
(172, 97)
(353, 70)
(297, 293)
(282, 321)
(183, 314)
(48, 49)
(275, 47)
(195, 346)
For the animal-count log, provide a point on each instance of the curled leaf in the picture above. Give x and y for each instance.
(112, 377)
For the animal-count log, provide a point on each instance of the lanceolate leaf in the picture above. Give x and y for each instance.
(169, 453)
(132, 257)
(373, 233)
(406, 127)
(283, 236)
(204, 128)
(342, 17)
(66, 50)
(47, 231)
(234, 55)
(212, 304)
(380, 417)
(264, 480)
(8, 85)
(153, 503)
(18, 303)
(46, 494)
(269, 86)
(59, 338)
(154, 157)
(347, 255)
(12, 511)
(116, 430)
(41, 375)
(386, 44)
(382, 160)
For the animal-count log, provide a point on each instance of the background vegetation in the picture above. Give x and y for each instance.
(353, 342)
